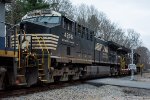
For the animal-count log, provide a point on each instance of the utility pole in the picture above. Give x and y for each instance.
(132, 70)
(132, 66)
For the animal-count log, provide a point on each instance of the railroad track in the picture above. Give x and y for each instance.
(41, 88)
(35, 89)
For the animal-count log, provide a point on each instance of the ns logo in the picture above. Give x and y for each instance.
(100, 47)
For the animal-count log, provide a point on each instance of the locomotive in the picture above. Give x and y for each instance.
(47, 46)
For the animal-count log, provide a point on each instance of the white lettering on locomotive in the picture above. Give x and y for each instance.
(68, 36)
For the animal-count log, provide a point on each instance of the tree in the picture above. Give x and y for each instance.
(18, 8)
(133, 39)
(63, 6)
(88, 16)
(144, 56)
(82, 14)
(29, 5)
(93, 19)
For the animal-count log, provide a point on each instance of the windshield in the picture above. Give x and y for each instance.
(30, 19)
(53, 19)
(45, 19)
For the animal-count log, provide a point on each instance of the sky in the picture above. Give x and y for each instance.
(128, 14)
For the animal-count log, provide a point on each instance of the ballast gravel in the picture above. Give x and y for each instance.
(91, 92)
(88, 92)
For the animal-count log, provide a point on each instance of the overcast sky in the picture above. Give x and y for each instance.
(133, 14)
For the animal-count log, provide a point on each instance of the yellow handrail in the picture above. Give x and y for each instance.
(18, 47)
(49, 61)
(41, 48)
(122, 62)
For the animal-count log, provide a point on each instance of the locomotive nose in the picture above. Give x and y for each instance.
(33, 27)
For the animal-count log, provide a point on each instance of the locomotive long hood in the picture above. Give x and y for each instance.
(35, 27)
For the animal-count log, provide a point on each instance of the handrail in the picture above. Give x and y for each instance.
(122, 62)
(49, 61)
(18, 47)
(27, 44)
(41, 48)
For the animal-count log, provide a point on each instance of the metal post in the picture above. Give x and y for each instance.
(132, 56)
(132, 70)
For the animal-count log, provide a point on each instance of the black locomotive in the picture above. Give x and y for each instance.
(47, 47)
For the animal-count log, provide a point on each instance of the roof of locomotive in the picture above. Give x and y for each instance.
(118, 47)
(47, 12)
(42, 12)
(123, 49)
(113, 45)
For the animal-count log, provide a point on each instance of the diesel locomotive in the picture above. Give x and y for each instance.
(47, 46)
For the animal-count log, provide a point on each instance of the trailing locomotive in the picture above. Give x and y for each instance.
(47, 46)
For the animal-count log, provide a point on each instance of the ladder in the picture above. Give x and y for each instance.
(41, 66)
(20, 77)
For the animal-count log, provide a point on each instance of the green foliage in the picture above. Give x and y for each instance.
(29, 5)
(19, 8)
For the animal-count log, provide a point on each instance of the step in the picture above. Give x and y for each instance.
(25, 53)
(32, 65)
(41, 69)
(44, 80)
(20, 75)
(40, 64)
(22, 84)
(20, 67)
(41, 74)
(42, 77)
(39, 60)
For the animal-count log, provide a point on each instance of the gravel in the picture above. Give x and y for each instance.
(88, 92)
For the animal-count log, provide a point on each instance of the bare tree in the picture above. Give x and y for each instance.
(133, 39)
(89, 17)
(82, 14)
(106, 29)
(144, 56)
(64, 6)
(118, 36)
